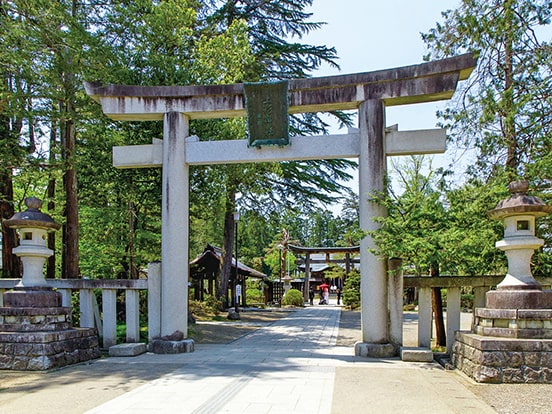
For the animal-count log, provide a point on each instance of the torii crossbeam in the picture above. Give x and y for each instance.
(368, 92)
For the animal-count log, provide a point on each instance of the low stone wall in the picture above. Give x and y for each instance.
(503, 360)
(35, 351)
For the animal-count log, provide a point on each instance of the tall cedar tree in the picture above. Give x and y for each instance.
(270, 25)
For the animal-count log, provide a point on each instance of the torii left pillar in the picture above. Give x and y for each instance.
(172, 321)
(174, 228)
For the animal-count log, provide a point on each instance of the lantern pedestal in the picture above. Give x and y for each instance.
(36, 332)
(511, 338)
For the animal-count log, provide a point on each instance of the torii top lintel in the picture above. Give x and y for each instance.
(431, 81)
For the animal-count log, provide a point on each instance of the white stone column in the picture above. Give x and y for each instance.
(307, 277)
(174, 229)
(154, 300)
(425, 313)
(453, 315)
(395, 301)
(86, 296)
(109, 310)
(132, 306)
(372, 166)
(66, 297)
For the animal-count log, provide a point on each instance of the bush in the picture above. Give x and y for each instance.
(293, 297)
(351, 290)
(211, 306)
(255, 292)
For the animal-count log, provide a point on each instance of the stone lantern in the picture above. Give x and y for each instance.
(287, 283)
(36, 332)
(512, 335)
(33, 227)
(519, 289)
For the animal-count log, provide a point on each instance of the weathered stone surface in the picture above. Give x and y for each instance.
(547, 375)
(46, 350)
(532, 375)
(364, 349)
(532, 359)
(514, 359)
(502, 360)
(160, 346)
(513, 375)
(233, 315)
(126, 350)
(416, 354)
(487, 374)
(32, 298)
(519, 299)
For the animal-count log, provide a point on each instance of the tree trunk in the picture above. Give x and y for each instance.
(50, 193)
(11, 265)
(440, 333)
(226, 265)
(509, 126)
(132, 269)
(68, 138)
(71, 226)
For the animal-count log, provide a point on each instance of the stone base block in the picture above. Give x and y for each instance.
(416, 354)
(369, 350)
(32, 297)
(38, 351)
(233, 315)
(34, 319)
(127, 350)
(162, 346)
(519, 299)
(503, 360)
(514, 323)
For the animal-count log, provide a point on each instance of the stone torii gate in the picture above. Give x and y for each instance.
(369, 93)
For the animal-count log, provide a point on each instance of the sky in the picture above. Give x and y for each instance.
(372, 35)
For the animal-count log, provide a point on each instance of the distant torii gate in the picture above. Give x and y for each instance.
(368, 92)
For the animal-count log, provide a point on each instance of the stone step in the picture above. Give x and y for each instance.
(416, 354)
(127, 350)
(35, 327)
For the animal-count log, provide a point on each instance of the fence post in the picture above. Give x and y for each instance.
(453, 315)
(109, 309)
(424, 317)
(66, 297)
(154, 300)
(86, 308)
(395, 292)
(132, 315)
(479, 296)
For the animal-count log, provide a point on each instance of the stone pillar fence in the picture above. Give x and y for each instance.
(105, 319)
(453, 285)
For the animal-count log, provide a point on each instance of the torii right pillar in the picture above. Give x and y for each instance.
(375, 341)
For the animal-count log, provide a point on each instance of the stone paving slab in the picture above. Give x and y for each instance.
(293, 366)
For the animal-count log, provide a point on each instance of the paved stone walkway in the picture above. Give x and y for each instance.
(292, 366)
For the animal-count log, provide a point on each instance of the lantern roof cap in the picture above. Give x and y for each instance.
(32, 217)
(520, 203)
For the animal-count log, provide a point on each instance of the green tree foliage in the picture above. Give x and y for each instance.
(434, 233)
(503, 111)
(351, 290)
(505, 108)
(415, 226)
